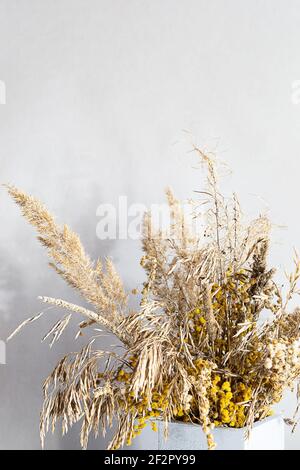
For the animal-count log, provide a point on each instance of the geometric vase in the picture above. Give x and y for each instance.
(267, 434)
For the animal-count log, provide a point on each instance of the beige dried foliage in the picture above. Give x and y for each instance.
(196, 350)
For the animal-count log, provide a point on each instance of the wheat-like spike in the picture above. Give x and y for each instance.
(92, 316)
(71, 261)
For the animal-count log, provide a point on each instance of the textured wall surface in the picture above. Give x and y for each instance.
(97, 95)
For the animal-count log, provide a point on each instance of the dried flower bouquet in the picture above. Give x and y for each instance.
(195, 351)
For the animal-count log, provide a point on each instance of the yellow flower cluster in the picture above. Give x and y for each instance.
(238, 286)
(198, 321)
(141, 406)
(228, 402)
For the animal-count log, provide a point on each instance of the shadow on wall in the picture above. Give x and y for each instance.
(10, 287)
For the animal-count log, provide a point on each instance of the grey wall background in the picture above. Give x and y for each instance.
(98, 93)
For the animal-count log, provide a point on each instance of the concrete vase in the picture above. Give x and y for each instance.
(267, 434)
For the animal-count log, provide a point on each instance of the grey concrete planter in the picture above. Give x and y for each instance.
(266, 435)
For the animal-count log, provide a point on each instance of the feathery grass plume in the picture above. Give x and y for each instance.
(101, 288)
(195, 350)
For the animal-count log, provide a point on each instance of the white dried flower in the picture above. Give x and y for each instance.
(268, 363)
